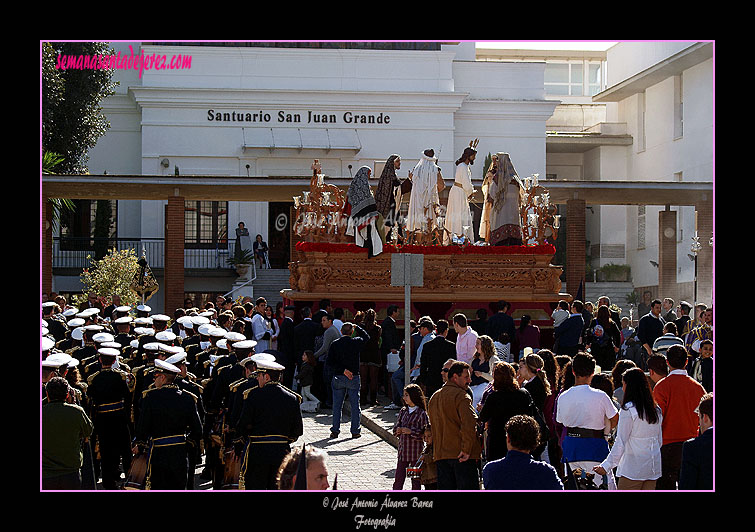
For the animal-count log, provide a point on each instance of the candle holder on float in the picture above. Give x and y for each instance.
(539, 219)
(319, 211)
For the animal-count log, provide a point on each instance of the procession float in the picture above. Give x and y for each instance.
(332, 262)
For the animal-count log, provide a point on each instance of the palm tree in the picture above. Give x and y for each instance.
(49, 161)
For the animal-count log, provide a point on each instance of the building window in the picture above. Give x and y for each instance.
(574, 78)
(595, 75)
(206, 224)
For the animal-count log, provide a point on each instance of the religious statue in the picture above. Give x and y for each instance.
(503, 201)
(484, 231)
(424, 202)
(458, 216)
(363, 213)
(389, 190)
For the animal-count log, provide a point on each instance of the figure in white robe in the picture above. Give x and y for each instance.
(424, 200)
(458, 215)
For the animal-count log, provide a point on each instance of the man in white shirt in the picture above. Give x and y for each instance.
(337, 318)
(582, 411)
(259, 326)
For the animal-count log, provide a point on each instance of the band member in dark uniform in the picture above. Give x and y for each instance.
(184, 381)
(271, 420)
(239, 389)
(169, 429)
(56, 323)
(124, 334)
(110, 400)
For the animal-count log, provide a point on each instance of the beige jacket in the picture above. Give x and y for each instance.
(454, 423)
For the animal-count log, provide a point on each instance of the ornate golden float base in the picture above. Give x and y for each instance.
(338, 272)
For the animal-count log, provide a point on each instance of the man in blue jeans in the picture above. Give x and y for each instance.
(343, 364)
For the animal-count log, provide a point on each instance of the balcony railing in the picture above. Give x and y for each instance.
(72, 252)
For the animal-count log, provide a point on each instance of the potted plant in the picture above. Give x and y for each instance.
(614, 272)
(242, 261)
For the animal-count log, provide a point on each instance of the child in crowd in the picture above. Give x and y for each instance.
(409, 427)
(560, 313)
(310, 403)
(702, 366)
(429, 476)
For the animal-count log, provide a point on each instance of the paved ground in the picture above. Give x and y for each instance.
(366, 463)
(362, 464)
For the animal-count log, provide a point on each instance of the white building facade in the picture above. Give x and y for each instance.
(268, 112)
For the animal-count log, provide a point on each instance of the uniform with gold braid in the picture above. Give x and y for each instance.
(270, 420)
(169, 427)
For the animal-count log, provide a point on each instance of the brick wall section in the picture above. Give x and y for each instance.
(174, 254)
(667, 255)
(46, 249)
(575, 245)
(705, 257)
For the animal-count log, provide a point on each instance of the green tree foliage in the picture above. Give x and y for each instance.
(59, 205)
(72, 118)
(108, 276)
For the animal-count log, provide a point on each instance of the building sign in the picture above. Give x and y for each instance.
(310, 117)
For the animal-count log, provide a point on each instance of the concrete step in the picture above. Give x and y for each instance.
(269, 283)
(616, 291)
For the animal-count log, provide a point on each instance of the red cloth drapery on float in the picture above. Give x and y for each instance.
(328, 247)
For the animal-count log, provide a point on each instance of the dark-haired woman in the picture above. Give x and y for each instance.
(605, 340)
(636, 453)
(505, 401)
(260, 252)
(410, 429)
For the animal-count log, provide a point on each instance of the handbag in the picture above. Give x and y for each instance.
(416, 471)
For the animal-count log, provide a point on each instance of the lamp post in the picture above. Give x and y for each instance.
(696, 248)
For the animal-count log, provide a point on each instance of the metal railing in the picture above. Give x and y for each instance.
(73, 252)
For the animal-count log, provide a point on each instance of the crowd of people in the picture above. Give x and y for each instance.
(139, 400)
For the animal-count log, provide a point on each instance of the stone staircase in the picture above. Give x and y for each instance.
(616, 291)
(269, 283)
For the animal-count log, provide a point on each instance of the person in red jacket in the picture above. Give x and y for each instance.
(678, 395)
